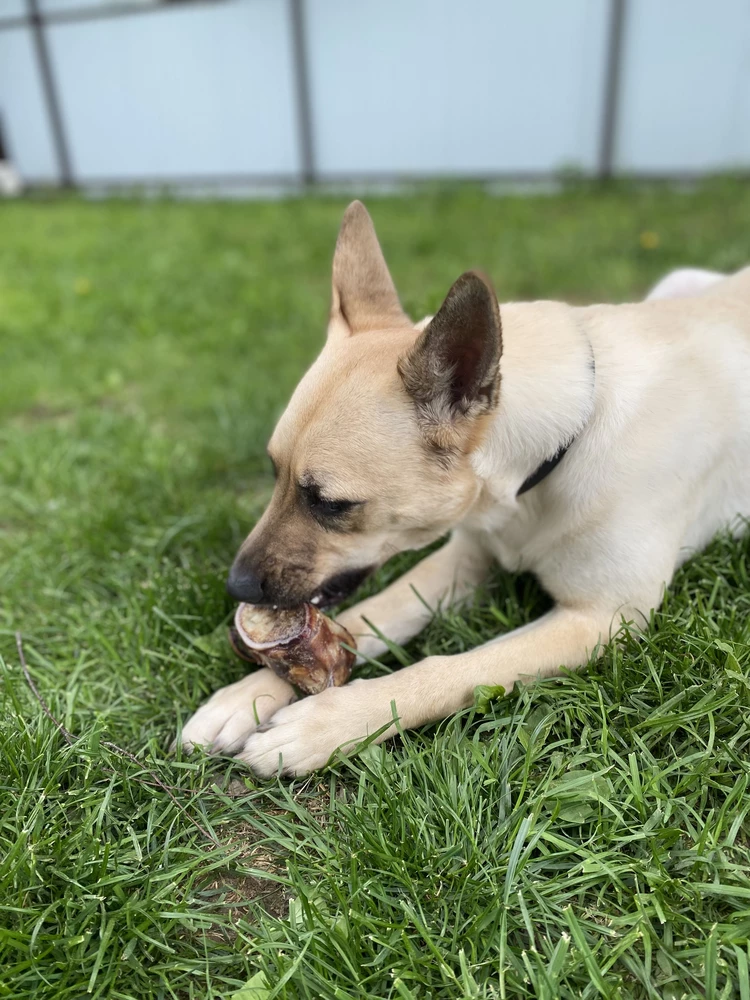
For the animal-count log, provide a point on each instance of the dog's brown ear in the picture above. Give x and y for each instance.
(452, 372)
(364, 296)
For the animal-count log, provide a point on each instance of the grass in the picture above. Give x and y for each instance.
(582, 838)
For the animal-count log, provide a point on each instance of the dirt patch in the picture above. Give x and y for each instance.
(235, 893)
(40, 413)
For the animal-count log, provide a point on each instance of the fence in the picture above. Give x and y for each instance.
(295, 91)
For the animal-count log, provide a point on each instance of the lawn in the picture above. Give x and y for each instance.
(580, 838)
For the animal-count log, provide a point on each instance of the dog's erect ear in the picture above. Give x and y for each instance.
(452, 372)
(364, 296)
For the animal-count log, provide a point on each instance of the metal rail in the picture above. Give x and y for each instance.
(37, 19)
(302, 91)
(98, 13)
(51, 98)
(612, 89)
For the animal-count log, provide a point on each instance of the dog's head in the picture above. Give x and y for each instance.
(372, 453)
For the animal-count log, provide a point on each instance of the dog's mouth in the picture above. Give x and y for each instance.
(337, 588)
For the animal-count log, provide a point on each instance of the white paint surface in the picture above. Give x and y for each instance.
(187, 91)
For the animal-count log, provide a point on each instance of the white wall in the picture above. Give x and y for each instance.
(686, 86)
(12, 8)
(398, 87)
(447, 87)
(22, 110)
(195, 90)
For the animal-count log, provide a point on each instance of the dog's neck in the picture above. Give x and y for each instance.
(546, 393)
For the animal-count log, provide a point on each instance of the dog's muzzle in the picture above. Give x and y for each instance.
(337, 588)
(245, 585)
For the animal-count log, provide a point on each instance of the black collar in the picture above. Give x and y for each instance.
(544, 469)
(549, 464)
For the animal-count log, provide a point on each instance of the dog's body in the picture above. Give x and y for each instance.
(422, 432)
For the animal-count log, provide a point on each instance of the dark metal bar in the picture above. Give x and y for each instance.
(334, 178)
(302, 90)
(4, 154)
(100, 13)
(380, 183)
(291, 180)
(6, 23)
(612, 88)
(50, 95)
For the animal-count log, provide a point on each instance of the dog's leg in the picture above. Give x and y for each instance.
(224, 722)
(402, 610)
(684, 282)
(303, 736)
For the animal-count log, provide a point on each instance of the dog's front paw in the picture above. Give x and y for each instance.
(224, 722)
(304, 736)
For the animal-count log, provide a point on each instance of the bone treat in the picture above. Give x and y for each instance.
(301, 645)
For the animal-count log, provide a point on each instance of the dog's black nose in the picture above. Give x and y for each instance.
(244, 585)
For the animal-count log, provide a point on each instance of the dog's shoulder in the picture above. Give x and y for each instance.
(733, 289)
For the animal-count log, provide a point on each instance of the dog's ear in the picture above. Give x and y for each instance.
(452, 372)
(364, 296)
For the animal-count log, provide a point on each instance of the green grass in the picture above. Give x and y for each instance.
(582, 838)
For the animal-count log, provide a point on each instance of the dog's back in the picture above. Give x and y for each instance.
(734, 288)
(662, 462)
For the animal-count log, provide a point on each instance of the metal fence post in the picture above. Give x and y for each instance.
(50, 94)
(612, 88)
(302, 91)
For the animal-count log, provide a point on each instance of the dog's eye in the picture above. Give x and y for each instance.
(321, 507)
(332, 508)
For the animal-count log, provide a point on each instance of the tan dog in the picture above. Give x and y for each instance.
(596, 447)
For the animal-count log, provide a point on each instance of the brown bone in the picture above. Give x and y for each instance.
(301, 645)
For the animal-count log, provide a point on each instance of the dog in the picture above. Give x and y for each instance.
(596, 447)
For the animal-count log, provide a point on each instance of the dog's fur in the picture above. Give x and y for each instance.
(435, 427)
